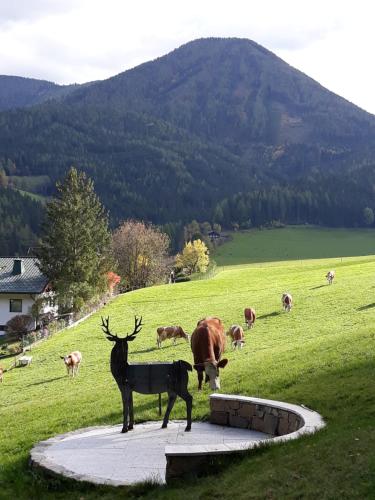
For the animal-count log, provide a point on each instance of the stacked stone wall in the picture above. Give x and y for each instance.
(258, 417)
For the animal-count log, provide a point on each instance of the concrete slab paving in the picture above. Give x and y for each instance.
(103, 455)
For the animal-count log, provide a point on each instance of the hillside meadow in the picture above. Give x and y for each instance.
(321, 355)
(293, 243)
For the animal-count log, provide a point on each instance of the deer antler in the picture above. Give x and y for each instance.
(137, 328)
(105, 328)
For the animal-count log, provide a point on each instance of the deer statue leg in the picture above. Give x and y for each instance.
(171, 400)
(182, 390)
(125, 393)
(131, 412)
(188, 398)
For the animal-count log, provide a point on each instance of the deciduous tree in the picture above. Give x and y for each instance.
(194, 257)
(20, 325)
(368, 216)
(141, 253)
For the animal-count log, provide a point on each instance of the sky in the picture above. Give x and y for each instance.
(75, 41)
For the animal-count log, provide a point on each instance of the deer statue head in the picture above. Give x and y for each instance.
(119, 355)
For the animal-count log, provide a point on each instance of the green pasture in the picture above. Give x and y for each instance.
(293, 243)
(321, 354)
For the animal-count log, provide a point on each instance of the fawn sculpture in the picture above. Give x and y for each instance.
(146, 378)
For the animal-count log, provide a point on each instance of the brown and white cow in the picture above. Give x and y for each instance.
(208, 344)
(287, 301)
(1, 374)
(72, 362)
(250, 317)
(330, 277)
(236, 333)
(170, 332)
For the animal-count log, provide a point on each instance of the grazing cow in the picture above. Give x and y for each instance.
(236, 333)
(1, 374)
(250, 317)
(208, 344)
(330, 277)
(72, 362)
(287, 301)
(170, 332)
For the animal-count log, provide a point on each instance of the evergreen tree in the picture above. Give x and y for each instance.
(74, 253)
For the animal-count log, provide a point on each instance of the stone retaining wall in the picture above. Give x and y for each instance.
(278, 420)
(247, 414)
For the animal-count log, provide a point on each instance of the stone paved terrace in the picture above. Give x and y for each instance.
(103, 455)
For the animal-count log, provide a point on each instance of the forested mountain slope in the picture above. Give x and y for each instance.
(145, 169)
(235, 92)
(219, 130)
(20, 219)
(18, 92)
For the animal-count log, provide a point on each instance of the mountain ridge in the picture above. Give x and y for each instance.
(147, 89)
(196, 132)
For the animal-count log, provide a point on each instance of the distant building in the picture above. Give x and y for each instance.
(21, 284)
(213, 235)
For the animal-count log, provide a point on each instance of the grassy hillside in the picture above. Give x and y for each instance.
(293, 243)
(321, 355)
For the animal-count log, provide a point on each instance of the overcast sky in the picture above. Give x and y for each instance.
(69, 41)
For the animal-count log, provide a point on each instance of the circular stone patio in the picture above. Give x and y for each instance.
(103, 455)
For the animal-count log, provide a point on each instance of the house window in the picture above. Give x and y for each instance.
(15, 305)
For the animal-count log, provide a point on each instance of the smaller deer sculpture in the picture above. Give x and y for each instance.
(146, 378)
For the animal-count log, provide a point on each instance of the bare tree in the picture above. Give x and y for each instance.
(20, 325)
(141, 253)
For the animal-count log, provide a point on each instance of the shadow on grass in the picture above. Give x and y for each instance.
(142, 351)
(47, 381)
(368, 306)
(6, 356)
(270, 315)
(316, 287)
(151, 349)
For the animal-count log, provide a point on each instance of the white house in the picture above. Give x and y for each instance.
(21, 284)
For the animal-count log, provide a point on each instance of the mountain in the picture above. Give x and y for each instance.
(19, 92)
(234, 92)
(141, 167)
(219, 129)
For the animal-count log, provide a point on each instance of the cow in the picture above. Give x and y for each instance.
(170, 332)
(72, 362)
(330, 277)
(287, 301)
(236, 333)
(207, 345)
(1, 374)
(250, 317)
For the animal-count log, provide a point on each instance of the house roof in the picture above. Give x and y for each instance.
(30, 281)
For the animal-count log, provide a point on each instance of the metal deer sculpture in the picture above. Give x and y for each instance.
(146, 378)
